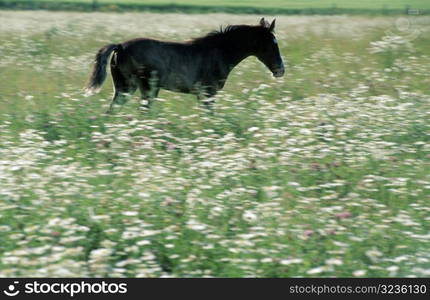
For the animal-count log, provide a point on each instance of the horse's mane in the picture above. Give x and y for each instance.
(225, 30)
(217, 35)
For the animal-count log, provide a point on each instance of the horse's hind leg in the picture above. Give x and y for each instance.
(119, 98)
(123, 88)
(148, 91)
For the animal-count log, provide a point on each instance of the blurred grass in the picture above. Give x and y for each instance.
(272, 7)
(41, 92)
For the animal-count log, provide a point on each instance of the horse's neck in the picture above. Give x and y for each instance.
(235, 53)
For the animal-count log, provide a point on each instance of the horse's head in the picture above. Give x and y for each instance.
(267, 50)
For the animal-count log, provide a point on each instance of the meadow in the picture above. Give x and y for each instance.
(324, 172)
(369, 4)
(277, 7)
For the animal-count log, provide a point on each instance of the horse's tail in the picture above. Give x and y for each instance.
(98, 74)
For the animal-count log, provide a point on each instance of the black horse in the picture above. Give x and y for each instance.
(200, 66)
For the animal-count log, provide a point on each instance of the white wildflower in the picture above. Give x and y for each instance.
(316, 270)
(359, 273)
(291, 261)
(130, 213)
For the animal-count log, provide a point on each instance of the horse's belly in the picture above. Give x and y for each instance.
(177, 83)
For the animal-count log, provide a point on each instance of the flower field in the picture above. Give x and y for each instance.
(324, 172)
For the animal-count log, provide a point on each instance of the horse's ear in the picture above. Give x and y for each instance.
(264, 23)
(272, 26)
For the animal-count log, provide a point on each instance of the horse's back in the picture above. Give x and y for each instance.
(177, 65)
(149, 51)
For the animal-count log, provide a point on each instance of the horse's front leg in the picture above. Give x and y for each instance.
(209, 104)
(207, 98)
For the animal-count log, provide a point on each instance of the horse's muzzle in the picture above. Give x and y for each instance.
(279, 71)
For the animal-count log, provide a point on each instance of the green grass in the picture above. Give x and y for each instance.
(246, 6)
(365, 4)
(321, 173)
